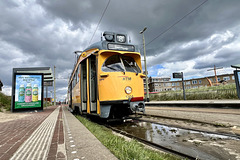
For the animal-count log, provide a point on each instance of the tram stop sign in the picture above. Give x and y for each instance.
(177, 75)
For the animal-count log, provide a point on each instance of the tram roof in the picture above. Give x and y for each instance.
(106, 45)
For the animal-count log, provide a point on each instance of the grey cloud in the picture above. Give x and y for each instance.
(45, 33)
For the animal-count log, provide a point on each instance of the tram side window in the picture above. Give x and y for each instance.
(74, 80)
(119, 63)
(77, 74)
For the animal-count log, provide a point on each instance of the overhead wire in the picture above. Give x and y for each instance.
(99, 22)
(176, 22)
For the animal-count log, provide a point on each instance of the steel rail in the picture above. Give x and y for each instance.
(180, 119)
(197, 130)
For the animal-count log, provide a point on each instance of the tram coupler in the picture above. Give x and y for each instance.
(137, 106)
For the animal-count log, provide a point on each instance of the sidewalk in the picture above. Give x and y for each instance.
(81, 143)
(14, 133)
(52, 134)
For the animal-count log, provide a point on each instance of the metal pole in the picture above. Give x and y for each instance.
(46, 94)
(237, 82)
(54, 81)
(145, 63)
(184, 95)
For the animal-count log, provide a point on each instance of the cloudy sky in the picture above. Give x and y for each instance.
(44, 33)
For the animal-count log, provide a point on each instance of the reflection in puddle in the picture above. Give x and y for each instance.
(173, 138)
(156, 132)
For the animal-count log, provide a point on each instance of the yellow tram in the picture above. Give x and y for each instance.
(107, 79)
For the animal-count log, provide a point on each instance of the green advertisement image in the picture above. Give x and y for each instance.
(28, 91)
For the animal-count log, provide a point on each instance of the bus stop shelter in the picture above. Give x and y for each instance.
(237, 77)
(29, 81)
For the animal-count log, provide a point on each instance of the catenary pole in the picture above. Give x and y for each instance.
(145, 63)
(54, 81)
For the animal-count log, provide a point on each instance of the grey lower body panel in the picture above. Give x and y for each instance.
(105, 111)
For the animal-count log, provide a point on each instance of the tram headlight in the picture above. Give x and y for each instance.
(128, 90)
(121, 38)
(109, 36)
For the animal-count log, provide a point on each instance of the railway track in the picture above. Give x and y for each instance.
(175, 151)
(193, 143)
(197, 130)
(179, 119)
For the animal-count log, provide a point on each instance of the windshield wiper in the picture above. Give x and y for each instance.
(134, 70)
(120, 57)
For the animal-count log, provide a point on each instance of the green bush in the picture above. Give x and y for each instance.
(5, 102)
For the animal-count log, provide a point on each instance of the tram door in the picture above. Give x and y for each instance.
(83, 83)
(70, 95)
(93, 83)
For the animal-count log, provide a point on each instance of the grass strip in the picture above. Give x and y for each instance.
(215, 92)
(122, 149)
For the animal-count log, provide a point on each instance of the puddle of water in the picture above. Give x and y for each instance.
(150, 131)
(172, 137)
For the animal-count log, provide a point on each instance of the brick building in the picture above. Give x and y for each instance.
(159, 84)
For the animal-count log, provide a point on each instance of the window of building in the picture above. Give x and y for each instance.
(200, 81)
(174, 84)
(195, 86)
(177, 83)
(219, 79)
(168, 84)
(226, 78)
(194, 82)
(188, 87)
(233, 78)
(188, 83)
(165, 79)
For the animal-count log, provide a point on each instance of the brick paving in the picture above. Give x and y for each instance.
(57, 141)
(52, 135)
(14, 133)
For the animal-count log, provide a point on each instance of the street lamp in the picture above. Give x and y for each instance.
(54, 80)
(145, 63)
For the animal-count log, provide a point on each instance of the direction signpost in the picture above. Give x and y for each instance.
(180, 75)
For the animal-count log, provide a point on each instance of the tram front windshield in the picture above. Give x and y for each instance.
(120, 63)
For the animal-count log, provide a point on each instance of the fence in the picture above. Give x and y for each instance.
(199, 95)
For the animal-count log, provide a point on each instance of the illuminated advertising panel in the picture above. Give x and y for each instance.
(28, 91)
